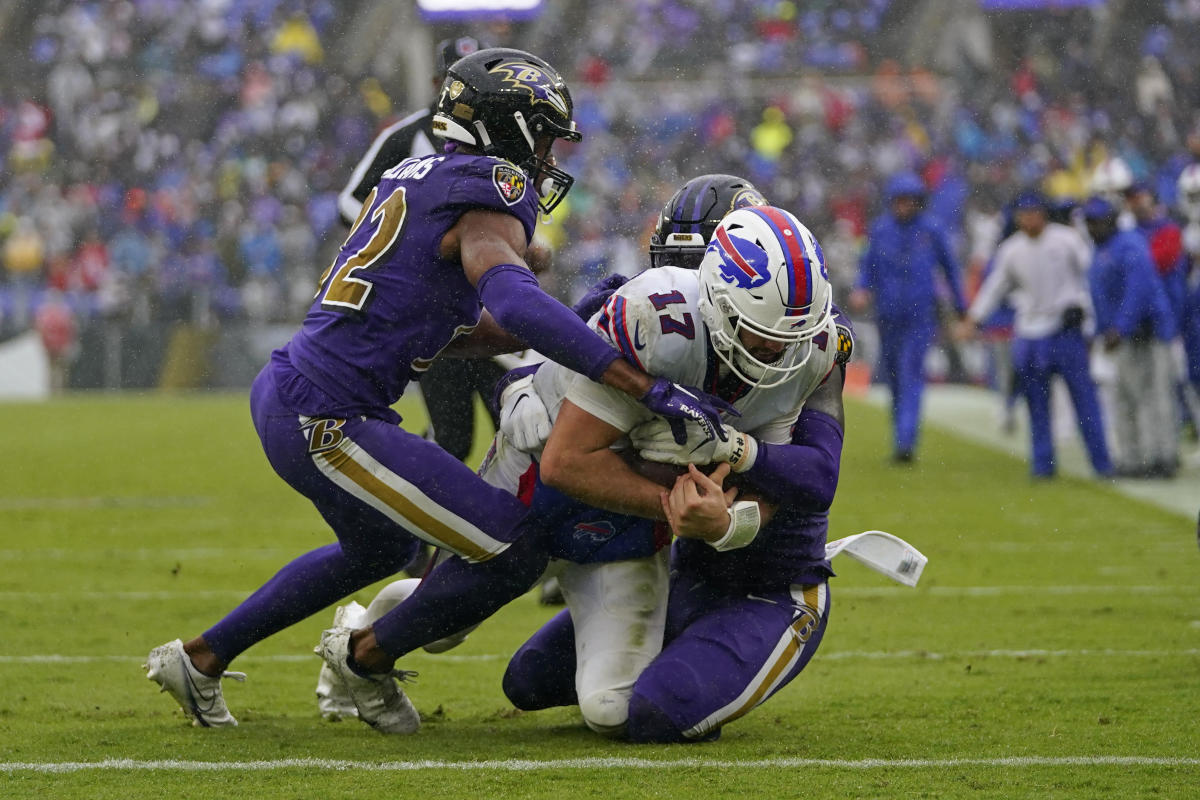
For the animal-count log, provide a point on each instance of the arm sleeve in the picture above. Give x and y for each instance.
(520, 306)
(805, 472)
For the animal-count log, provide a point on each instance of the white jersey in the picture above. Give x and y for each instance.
(1042, 277)
(654, 321)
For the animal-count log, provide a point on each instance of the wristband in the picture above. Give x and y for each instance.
(743, 451)
(744, 519)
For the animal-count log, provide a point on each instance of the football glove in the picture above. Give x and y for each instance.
(524, 420)
(680, 403)
(655, 441)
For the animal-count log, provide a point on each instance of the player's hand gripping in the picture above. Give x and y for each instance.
(655, 441)
(697, 507)
(679, 404)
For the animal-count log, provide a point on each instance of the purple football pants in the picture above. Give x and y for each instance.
(381, 489)
(724, 654)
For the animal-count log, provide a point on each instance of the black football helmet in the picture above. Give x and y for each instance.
(688, 220)
(503, 101)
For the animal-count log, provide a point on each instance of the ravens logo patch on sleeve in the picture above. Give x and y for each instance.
(845, 344)
(509, 182)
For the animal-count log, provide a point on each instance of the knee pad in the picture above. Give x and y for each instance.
(606, 711)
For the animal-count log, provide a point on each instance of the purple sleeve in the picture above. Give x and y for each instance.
(805, 472)
(520, 307)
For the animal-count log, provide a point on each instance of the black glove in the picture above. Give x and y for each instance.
(1072, 318)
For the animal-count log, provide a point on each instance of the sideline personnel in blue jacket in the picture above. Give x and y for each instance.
(1135, 319)
(904, 248)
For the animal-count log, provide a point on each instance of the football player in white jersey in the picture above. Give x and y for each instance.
(755, 325)
(618, 609)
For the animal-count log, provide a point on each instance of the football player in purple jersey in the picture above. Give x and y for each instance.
(437, 251)
(793, 463)
(459, 595)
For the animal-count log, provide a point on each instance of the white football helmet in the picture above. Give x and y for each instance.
(1110, 179)
(764, 274)
(1189, 191)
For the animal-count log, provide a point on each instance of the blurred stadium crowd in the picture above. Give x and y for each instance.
(165, 160)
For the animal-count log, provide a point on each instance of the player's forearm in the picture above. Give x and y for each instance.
(518, 304)
(601, 478)
(805, 472)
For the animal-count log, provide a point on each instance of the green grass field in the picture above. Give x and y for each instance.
(1052, 649)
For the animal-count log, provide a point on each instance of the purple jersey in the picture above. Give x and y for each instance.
(390, 302)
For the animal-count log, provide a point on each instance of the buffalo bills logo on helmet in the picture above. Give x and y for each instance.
(534, 80)
(510, 182)
(743, 262)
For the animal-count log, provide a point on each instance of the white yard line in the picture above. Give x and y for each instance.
(528, 765)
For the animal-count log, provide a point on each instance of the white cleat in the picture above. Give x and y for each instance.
(380, 702)
(333, 698)
(199, 695)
